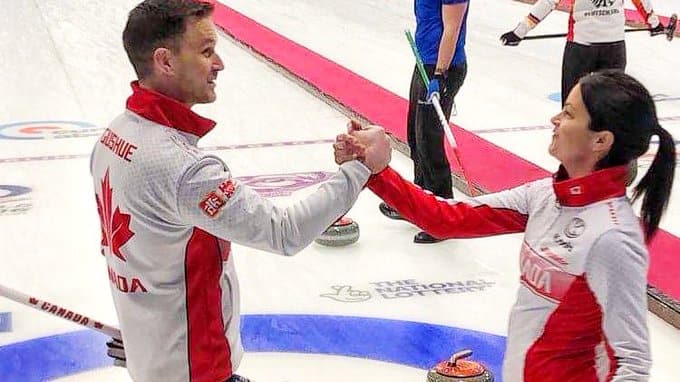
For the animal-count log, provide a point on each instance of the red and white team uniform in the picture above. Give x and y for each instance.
(590, 21)
(169, 212)
(580, 313)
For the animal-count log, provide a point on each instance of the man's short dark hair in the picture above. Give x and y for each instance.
(158, 23)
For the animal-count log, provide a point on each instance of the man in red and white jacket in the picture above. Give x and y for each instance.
(169, 211)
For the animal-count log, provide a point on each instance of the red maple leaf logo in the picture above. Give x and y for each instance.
(115, 225)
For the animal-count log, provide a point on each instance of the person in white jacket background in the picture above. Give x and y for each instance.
(595, 37)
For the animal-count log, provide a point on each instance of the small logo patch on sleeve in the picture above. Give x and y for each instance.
(212, 204)
(227, 188)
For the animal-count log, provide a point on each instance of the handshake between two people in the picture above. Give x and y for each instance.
(368, 144)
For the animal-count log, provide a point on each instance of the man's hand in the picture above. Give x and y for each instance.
(347, 148)
(116, 351)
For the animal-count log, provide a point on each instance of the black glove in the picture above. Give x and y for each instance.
(116, 351)
(657, 30)
(510, 39)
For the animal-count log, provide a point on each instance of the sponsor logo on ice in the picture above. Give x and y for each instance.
(399, 289)
(283, 184)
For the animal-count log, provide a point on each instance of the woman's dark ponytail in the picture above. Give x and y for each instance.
(657, 183)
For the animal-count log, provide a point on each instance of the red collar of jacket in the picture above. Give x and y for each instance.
(599, 185)
(166, 111)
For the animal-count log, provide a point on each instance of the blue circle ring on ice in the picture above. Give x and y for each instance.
(408, 343)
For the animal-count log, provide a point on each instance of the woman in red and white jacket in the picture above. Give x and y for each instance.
(595, 40)
(580, 313)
